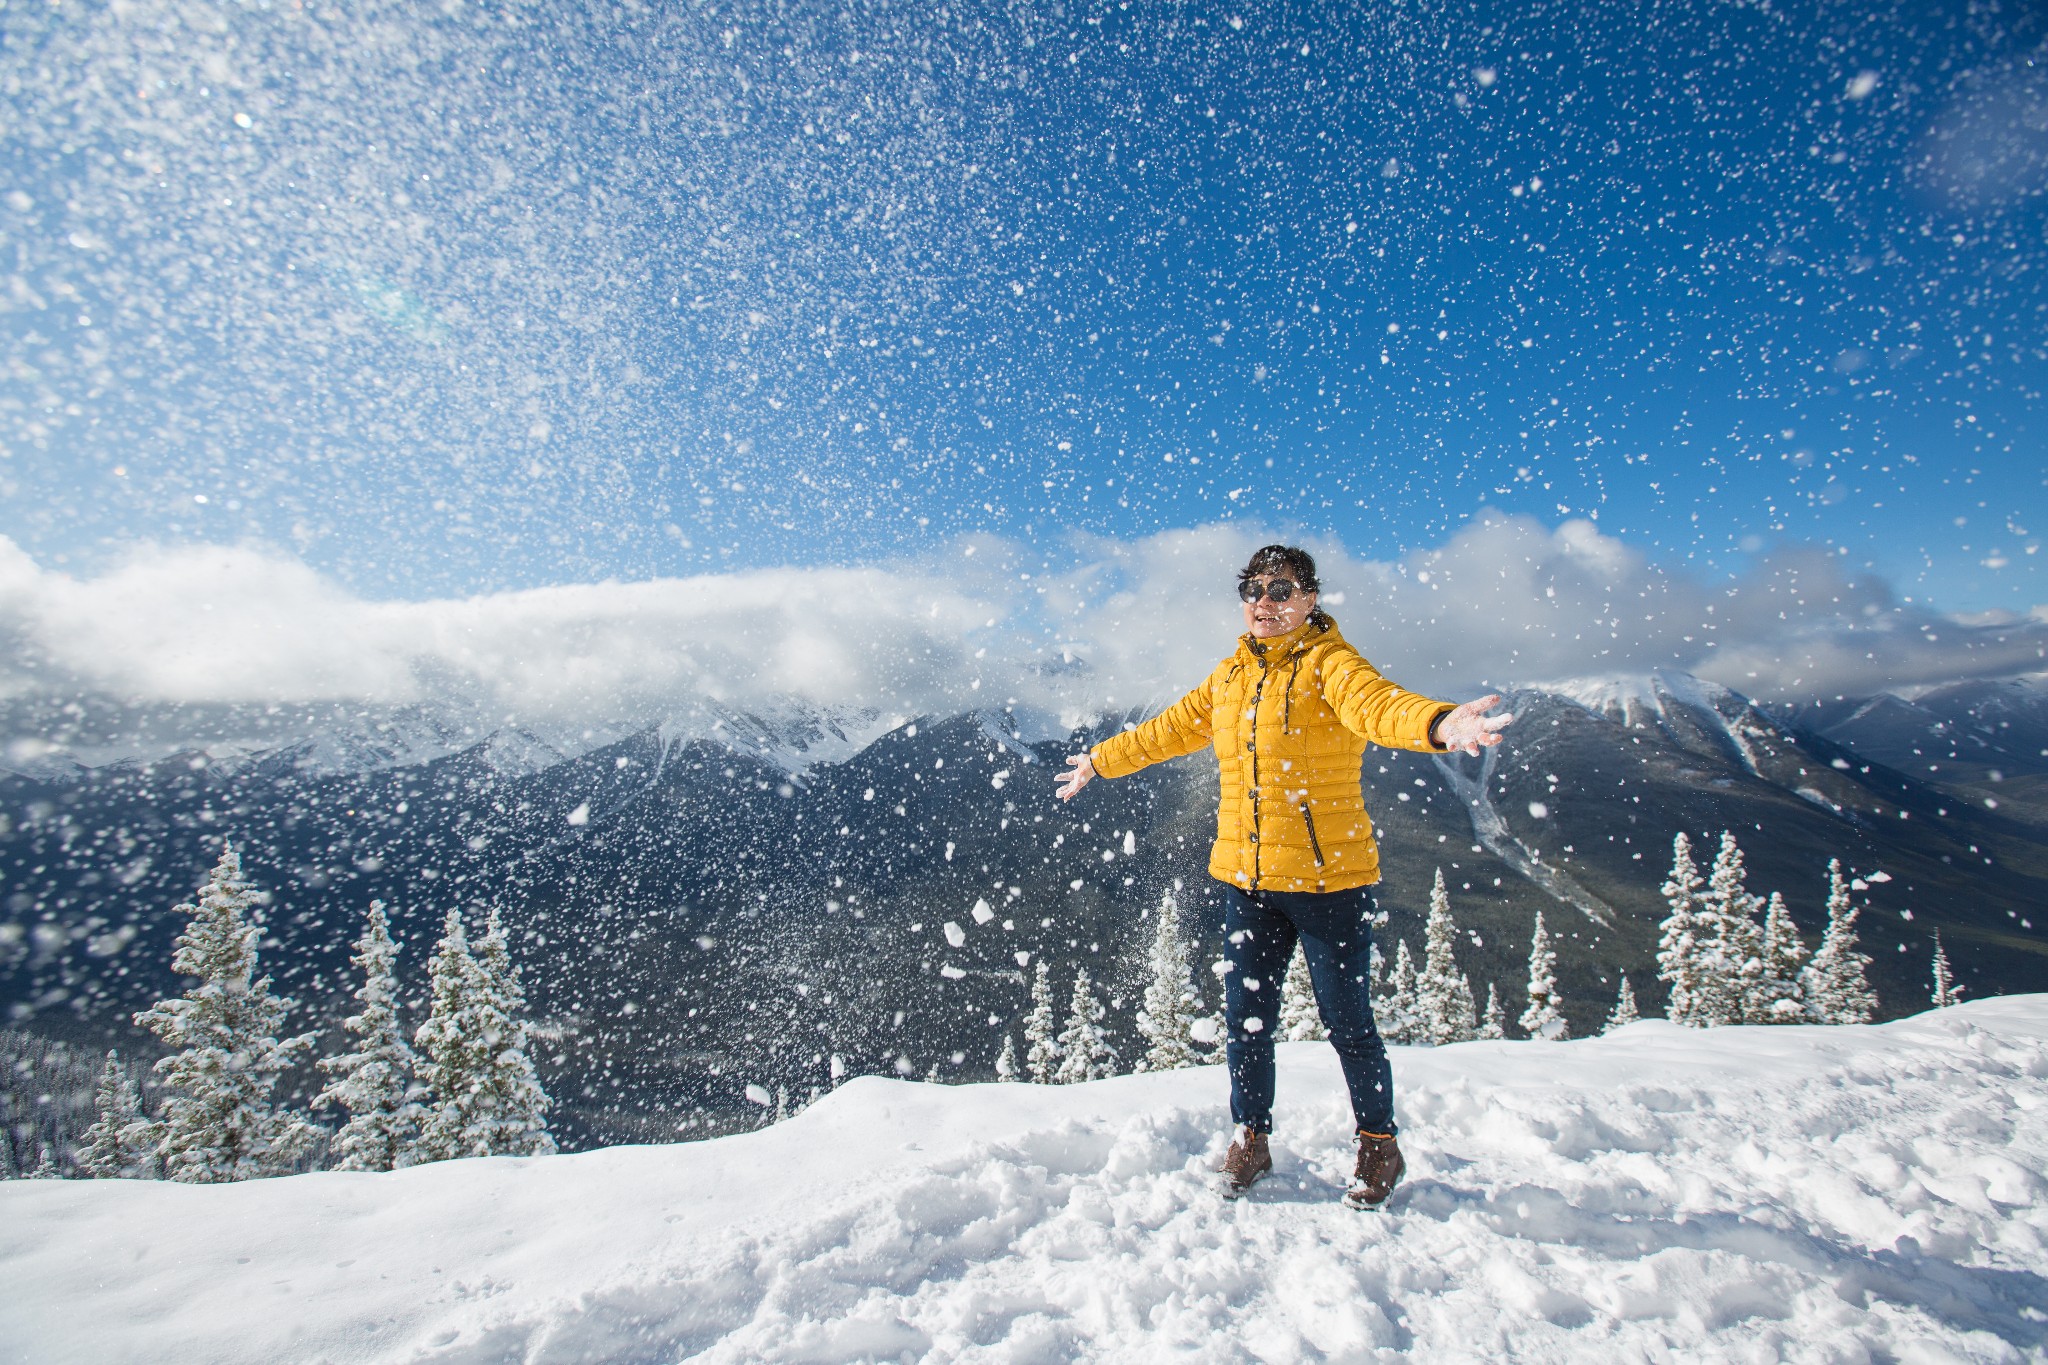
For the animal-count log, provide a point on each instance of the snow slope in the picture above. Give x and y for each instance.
(1823, 1194)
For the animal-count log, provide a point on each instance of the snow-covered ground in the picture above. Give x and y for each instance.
(1825, 1194)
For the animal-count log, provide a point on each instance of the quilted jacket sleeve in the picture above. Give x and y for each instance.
(1180, 729)
(1375, 708)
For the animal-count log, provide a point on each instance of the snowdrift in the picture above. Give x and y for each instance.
(1823, 1194)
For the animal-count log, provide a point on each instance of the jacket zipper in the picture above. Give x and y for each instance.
(1258, 691)
(1315, 845)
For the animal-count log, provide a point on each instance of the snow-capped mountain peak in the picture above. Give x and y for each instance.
(1620, 695)
(1691, 708)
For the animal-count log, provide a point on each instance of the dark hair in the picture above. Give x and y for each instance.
(1288, 559)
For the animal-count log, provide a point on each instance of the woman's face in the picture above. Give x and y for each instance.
(1266, 618)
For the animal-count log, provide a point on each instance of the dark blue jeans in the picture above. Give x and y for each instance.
(1260, 929)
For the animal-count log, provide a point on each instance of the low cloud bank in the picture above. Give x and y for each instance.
(1098, 624)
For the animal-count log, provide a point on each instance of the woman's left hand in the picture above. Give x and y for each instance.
(1468, 728)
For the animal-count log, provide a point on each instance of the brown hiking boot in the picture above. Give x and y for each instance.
(1247, 1160)
(1379, 1169)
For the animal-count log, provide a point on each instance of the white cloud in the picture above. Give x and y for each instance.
(195, 623)
(1106, 624)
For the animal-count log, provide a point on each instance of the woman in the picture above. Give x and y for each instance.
(1290, 714)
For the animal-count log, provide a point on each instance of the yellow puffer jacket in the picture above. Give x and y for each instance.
(1289, 719)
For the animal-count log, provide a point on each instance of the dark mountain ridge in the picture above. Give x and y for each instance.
(1985, 740)
(694, 916)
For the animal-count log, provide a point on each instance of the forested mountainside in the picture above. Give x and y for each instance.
(693, 916)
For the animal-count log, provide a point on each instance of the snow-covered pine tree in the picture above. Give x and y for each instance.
(1085, 1053)
(521, 1105)
(217, 1121)
(373, 1083)
(1544, 1018)
(1679, 947)
(448, 1042)
(1494, 1022)
(1834, 985)
(1168, 1012)
(1946, 991)
(485, 1098)
(121, 1144)
(1773, 996)
(1006, 1060)
(1300, 1020)
(1731, 965)
(1041, 1043)
(1395, 1012)
(1624, 1007)
(1443, 997)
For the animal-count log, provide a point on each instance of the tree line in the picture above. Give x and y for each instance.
(462, 1085)
(1726, 956)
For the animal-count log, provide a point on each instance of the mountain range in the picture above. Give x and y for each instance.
(720, 899)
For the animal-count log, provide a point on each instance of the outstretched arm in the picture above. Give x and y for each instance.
(1468, 728)
(1377, 709)
(1374, 707)
(1180, 729)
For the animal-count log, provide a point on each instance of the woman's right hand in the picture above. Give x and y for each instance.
(1080, 768)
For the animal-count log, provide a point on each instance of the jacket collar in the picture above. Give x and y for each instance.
(1268, 653)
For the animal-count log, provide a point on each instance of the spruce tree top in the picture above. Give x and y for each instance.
(218, 943)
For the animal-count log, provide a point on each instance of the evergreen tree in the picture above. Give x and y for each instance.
(1946, 991)
(1774, 994)
(1731, 958)
(1006, 1060)
(1836, 990)
(449, 1043)
(1624, 1007)
(1679, 947)
(472, 1054)
(1395, 1011)
(1494, 1023)
(1041, 1045)
(121, 1144)
(217, 1119)
(1167, 1016)
(1443, 997)
(1465, 1009)
(373, 1083)
(1300, 1020)
(1544, 1018)
(520, 1104)
(1085, 1054)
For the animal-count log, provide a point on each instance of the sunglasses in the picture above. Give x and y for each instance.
(1279, 590)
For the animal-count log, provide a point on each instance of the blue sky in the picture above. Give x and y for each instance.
(547, 294)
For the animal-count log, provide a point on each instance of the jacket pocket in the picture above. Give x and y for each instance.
(1314, 845)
